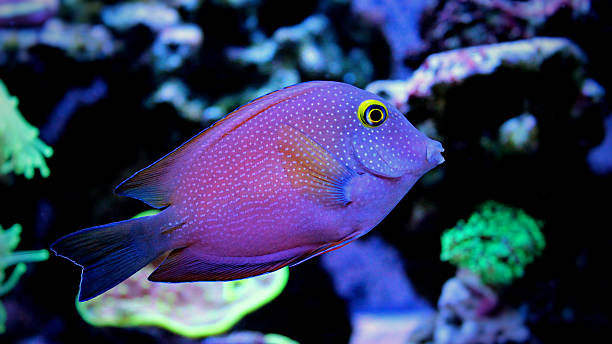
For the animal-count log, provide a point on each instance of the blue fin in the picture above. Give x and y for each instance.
(110, 253)
(312, 169)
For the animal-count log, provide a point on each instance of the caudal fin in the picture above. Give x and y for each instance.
(110, 253)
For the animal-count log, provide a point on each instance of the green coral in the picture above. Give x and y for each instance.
(9, 239)
(496, 243)
(21, 151)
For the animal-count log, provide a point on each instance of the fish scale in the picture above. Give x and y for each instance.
(286, 177)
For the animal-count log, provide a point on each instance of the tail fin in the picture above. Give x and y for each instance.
(110, 253)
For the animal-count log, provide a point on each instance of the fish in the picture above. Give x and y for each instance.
(288, 176)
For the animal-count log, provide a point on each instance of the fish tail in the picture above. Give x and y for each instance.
(111, 253)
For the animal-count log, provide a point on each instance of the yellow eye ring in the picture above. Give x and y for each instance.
(372, 113)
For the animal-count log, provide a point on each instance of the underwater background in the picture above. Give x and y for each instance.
(508, 241)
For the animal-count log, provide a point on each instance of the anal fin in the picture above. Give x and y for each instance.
(332, 246)
(189, 265)
(186, 265)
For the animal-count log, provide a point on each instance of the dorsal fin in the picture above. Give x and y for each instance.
(154, 184)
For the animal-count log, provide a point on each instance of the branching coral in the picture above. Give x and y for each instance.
(496, 243)
(190, 309)
(21, 151)
(9, 239)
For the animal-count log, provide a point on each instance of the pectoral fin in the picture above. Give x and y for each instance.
(312, 169)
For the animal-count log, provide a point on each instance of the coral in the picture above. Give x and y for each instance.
(369, 274)
(174, 45)
(466, 298)
(190, 309)
(386, 327)
(196, 309)
(469, 312)
(9, 239)
(70, 103)
(536, 11)
(82, 42)
(21, 151)
(520, 133)
(176, 93)
(495, 243)
(600, 157)
(451, 68)
(26, 12)
(450, 24)
(308, 49)
(249, 337)
(175, 41)
(399, 22)
(154, 15)
(516, 135)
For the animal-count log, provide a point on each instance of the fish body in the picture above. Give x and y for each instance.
(286, 177)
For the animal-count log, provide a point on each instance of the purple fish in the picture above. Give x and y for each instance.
(286, 177)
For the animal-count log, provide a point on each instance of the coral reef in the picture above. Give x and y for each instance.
(450, 68)
(9, 239)
(451, 24)
(495, 243)
(21, 151)
(308, 49)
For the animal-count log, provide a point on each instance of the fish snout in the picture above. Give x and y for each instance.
(433, 153)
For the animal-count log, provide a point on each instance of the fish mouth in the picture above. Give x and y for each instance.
(433, 153)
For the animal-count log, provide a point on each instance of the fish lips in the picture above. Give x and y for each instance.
(380, 161)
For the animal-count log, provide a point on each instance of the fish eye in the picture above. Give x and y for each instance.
(372, 113)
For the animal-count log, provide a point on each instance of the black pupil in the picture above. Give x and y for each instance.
(376, 114)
